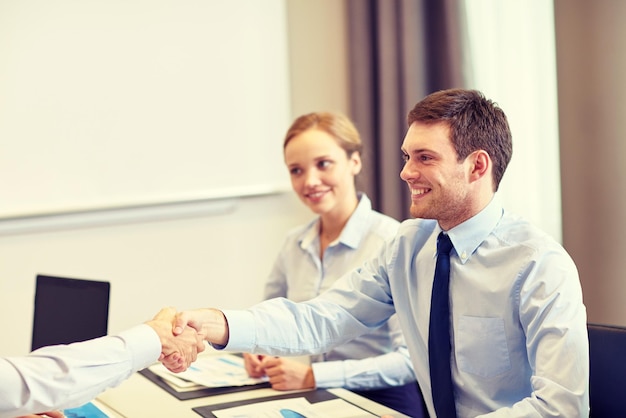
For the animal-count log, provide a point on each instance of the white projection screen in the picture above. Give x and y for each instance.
(123, 103)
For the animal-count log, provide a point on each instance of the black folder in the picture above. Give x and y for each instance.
(200, 393)
(313, 396)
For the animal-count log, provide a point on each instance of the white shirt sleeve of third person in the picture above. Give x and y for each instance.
(66, 376)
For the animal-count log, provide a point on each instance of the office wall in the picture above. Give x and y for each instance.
(591, 63)
(188, 255)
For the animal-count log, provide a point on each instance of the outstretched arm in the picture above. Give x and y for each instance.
(279, 327)
(66, 376)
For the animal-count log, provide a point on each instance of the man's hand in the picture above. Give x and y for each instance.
(177, 351)
(210, 323)
(285, 374)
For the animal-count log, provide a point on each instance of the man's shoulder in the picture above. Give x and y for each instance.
(518, 231)
(414, 232)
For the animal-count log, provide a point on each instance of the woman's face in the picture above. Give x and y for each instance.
(322, 175)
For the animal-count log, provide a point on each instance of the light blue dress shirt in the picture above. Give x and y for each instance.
(67, 376)
(375, 360)
(519, 335)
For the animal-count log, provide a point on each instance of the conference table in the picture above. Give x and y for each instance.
(144, 394)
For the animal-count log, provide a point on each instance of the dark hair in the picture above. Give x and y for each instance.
(476, 123)
(335, 124)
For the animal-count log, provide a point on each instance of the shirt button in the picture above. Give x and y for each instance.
(464, 255)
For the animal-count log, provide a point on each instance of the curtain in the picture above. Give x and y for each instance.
(400, 51)
(513, 51)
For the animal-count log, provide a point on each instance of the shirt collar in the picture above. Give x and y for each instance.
(357, 226)
(467, 236)
(352, 233)
(310, 233)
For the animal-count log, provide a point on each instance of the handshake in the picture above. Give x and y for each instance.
(182, 335)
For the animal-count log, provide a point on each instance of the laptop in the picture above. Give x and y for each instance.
(69, 310)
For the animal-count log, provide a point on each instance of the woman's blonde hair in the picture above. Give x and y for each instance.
(336, 125)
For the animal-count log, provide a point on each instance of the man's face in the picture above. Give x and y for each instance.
(439, 183)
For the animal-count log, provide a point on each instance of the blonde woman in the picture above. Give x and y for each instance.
(322, 153)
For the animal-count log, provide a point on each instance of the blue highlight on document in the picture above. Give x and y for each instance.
(88, 410)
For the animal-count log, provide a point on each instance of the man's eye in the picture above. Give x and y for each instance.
(405, 157)
(323, 164)
(294, 171)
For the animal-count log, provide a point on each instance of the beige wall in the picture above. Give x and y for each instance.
(591, 62)
(318, 55)
(187, 258)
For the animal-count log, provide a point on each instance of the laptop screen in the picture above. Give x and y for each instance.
(69, 310)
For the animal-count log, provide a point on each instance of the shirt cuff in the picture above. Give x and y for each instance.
(241, 331)
(143, 344)
(329, 374)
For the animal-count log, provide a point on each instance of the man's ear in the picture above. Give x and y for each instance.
(480, 165)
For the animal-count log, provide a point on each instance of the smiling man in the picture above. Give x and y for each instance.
(515, 338)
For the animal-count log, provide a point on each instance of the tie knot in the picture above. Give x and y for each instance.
(444, 245)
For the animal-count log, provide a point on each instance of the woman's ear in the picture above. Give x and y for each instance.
(355, 160)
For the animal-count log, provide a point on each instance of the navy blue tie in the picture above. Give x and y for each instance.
(439, 333)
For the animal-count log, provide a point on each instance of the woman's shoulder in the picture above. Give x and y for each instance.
(299, 232)
(384, 219)
(384, 225)
(374, 216)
